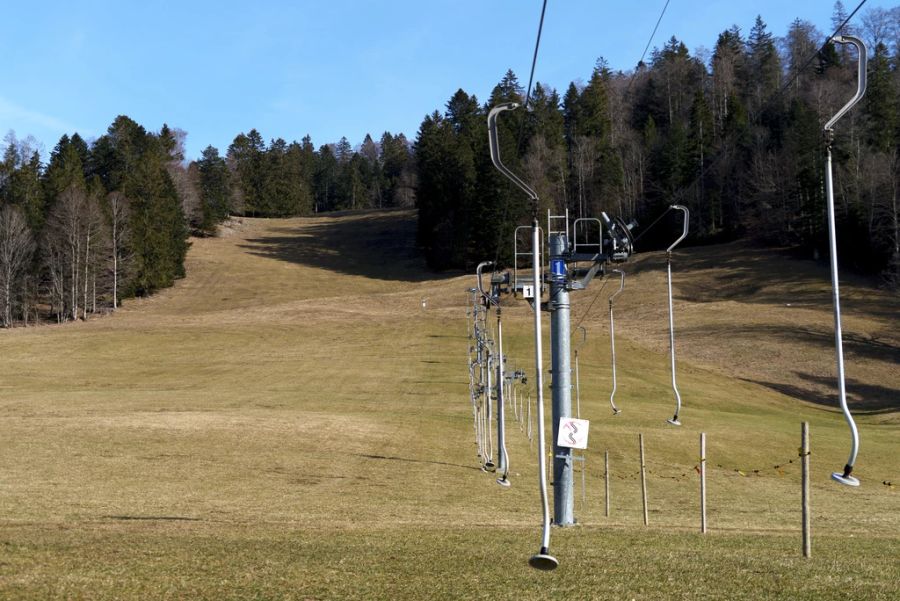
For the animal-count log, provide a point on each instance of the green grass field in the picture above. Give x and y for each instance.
(288, 422)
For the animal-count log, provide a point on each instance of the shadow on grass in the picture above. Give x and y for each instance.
(374, 244)
(861, 397)
(153, 518)
(404, 459)
(855, 346)
(740, 272)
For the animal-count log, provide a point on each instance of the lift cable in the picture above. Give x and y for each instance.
(640, 60)
(537, 45)
(647, 47)
(588, 310)
(650, 227)
(505, 212)
(819, 51)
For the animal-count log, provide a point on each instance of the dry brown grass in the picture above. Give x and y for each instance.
(289, 422)
(760, 315)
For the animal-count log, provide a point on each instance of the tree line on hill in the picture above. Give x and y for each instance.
(735, 134)
(97, 223)
(295, 179)
(110, 219)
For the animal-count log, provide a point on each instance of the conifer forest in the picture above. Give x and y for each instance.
(733, 132)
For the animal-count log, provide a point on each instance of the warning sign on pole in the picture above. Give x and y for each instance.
(573, 433)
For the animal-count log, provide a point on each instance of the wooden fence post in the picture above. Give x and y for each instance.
(703, 482)
(643, 480)
(804, 471)
(606, 478)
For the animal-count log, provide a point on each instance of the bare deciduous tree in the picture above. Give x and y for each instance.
(584, 159)
(117, 215)
(92, 231)
(65, 237)
(878, 26)
(16, 249)
(187, 185)
(545, 168)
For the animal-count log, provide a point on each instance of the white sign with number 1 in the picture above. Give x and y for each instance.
(573, 433)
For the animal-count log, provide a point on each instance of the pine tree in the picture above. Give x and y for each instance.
(882, 109)
(728, 73)
(215, 189)
(24, 189)
(764, 63)
(545, 117)
(571, 113)
(246, 157)
(398, 169)
(64, 172)
(343, 152)
(593, 106)
(326, 177)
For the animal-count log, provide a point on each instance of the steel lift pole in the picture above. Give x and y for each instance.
(560, 344)
(542, 560)
(842, 477)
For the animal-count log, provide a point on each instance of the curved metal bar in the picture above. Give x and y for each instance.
(472, 394)
(844, 477)
(503, 480)
(489, 465)
(583, 337)
(687, 223)
(542, 560)
(612, 339)
(487, 297)
(621, 285)
(486, 364)
(503, 457)
(577, 373)
(674, 420)
(861, 76)
(494, 143)
(529, 432)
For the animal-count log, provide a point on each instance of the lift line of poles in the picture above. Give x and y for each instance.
(565, 276)
(491, 385)
(542, 560)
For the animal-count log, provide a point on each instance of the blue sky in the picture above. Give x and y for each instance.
(327, 68)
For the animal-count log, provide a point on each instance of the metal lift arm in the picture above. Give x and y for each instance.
(494, 142)
(861, 78)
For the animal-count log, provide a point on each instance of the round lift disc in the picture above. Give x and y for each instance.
(846, 480)
(544, 562)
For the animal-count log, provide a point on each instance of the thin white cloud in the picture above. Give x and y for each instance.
(22, 119)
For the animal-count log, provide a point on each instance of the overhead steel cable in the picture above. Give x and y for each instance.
(647, 47)
(640, 60)
(505, 212)
(537, 45)
(822, 47)
(588, 310)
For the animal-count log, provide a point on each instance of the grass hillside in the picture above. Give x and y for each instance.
(289, 422)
